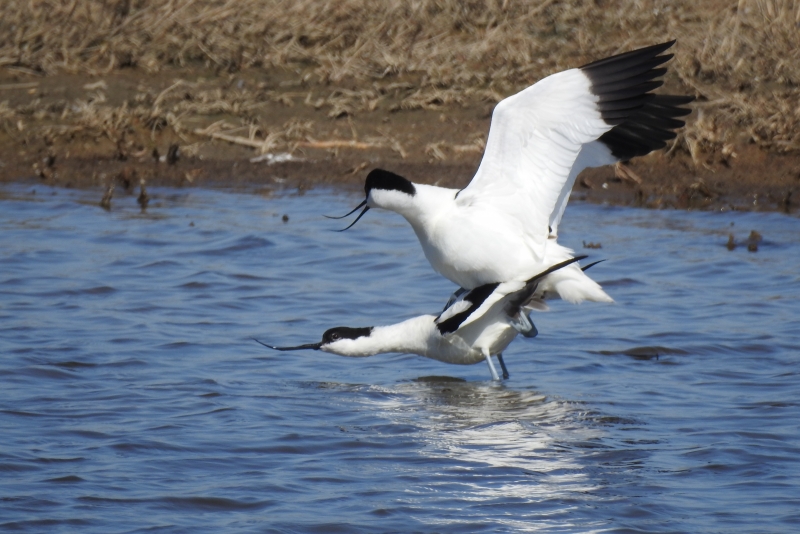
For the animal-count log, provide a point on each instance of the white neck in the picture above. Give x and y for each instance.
(413, 336)
(422, 208)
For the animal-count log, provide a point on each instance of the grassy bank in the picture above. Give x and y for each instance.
(121, 77)
(741, 59)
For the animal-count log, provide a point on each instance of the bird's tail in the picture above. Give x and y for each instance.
(570, 283)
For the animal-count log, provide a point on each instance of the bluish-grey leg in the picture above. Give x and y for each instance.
(503, 366)
(490, 364)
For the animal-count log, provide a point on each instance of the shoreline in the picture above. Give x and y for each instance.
(187, 127)
(655, 181)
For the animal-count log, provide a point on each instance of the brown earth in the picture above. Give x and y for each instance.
(95, 93)
(74, 130)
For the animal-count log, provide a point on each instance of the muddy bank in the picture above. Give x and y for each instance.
(761, 182)
(266, 129)
(187, 92)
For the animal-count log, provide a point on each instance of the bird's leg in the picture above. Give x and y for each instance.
(524, 325)
(491, 365)
(503, 366)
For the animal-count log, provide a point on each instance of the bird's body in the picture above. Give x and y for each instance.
(419, 335)
(503, 226)
(473, 327)
(473, 244)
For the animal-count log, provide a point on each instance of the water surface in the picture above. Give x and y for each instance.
(133, 398)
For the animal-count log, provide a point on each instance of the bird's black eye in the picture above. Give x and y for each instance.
(334, 336)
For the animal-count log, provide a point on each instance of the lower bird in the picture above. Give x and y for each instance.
(474, 326)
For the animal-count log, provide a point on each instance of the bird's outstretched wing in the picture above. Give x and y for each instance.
(473, 304)
(537, 135)
(647, 129)
(470, 305)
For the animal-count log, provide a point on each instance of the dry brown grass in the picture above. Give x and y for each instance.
(741, 59)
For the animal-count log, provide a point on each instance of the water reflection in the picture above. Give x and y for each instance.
(497, 444)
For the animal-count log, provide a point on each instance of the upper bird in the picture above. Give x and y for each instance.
(474, 326)
(503, 225)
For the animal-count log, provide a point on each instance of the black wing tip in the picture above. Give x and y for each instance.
(677, 100)
(556, 267)
(648, 128)
(587, 267)
(644, 52)
(624, 83)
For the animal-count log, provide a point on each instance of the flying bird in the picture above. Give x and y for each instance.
(504, 225)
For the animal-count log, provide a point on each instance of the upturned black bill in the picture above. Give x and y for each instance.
(312, 346)
(348, 213)
(366, 208)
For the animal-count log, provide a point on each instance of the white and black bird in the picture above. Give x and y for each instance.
(474, 326)
(503, 226)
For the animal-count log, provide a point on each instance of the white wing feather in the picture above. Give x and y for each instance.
(534, 139)
(593, 154)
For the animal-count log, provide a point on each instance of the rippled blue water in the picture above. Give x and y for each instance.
(132, 398)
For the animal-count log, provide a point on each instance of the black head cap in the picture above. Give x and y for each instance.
(344, 332)
(389, 181)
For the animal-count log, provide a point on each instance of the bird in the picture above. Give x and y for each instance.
(473, 327)
(504, 225)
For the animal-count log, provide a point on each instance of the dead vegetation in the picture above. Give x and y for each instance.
(353, 57)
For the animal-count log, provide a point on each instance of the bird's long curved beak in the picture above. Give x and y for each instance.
(366, 208)
(312, 346)
(348, 213)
